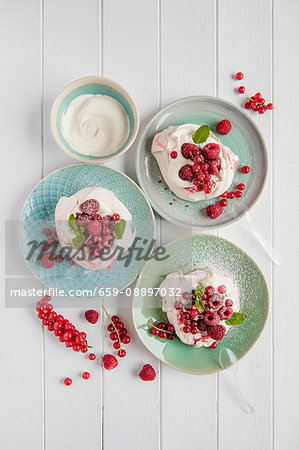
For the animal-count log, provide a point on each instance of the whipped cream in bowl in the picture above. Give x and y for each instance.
(94, 119)
(167, 148)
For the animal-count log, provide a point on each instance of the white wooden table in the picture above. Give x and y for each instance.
(159, 50)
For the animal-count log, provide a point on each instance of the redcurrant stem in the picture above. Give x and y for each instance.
(116, 330)
(157, 328)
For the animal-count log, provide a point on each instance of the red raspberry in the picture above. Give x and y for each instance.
(91, 316)
(214, 211)
(94, 227)
(211, 151)
(109, 362)
(225, 313)
(187, 150)
(201, 325)
(147, 373)
(215, 301)
(90, 207)
(48, 260)
(186, 173)
(216, 332)
(214, 167)
(211, 318)
(223, 127)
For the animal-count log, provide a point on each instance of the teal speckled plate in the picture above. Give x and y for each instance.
(245, 140)
(39, 212)
(201, 251)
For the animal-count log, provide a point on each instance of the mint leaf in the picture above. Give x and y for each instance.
(119, 229)
(199, 291)
(72, 222)
(201, 134)
(236, 319)
(79, 240)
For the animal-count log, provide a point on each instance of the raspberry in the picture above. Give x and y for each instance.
(91, 316)
(216, 332)
(94, 227)
(223, 127)
(201, 325)
(147, 373)
(214, 167)
(225, 313)
(90, 207)
(211, 151)
(214, 211)
(211, 318)
(215, 301)
(187, 150)
(109, 362)
(82, 220)
(47, 260)
(186, 173)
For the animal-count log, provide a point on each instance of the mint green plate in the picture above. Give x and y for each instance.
(185, 254)
(245, 140)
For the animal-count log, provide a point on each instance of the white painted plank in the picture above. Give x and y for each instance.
(187, 68)
(21, 415)
(71, 50)
(286, 161)
(131, 417)
(244, 35)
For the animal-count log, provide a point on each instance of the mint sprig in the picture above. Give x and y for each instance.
(199, 291)
(236, 319)
(201, 134)
(79, 240)
(119, 229)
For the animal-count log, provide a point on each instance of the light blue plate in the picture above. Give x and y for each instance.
(245, 140)
(39, 212)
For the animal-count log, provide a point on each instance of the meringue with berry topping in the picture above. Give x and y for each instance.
(93, 222)
(192, 171)
(204, 310)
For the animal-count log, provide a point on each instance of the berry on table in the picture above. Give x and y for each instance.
(238, 194)
(173, 155)
(224, 195)
(85, 375)
(67, 381)
(245, 169)
(214, 211)
(91, 316)
(223, 127)
(47, 232)
(241, 89)
(147, 373)
(241, 187)
(239, 76)
(109, 362)
(223, 202)
(230, 195)
(47, 260)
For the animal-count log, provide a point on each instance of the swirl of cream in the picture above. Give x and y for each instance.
(95, 125)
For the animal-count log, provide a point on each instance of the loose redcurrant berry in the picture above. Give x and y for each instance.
(92, 356)
(223, 202)
(239, 75)
(67, 381)
(241, 187)
(238, 194)
(85, 375)
(230, 195)
(270, 106)
(47, 232)
(224, 195)
(173, 155)
(245, 169)
(241, 89)
(213, 345)
(121, 353)
(222, 289)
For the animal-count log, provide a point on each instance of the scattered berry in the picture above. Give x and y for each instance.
(224, 195)
(241, 187)
(109, 362)
(241, 89)
(230, 195)
(173, 155)
(47, 232)
(238, 194)
(92, 356)
(245, 169)
(67, 381)
(85, 375)
(223, 202)
(91, 316)
(239, 76)
(223, 127)
(147, 373)
(216, 332)
(222, 289)
(214, 211)
(48, 260)
(213, 345)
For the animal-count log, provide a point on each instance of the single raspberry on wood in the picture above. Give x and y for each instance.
(90, 207)
(109, 362)
(223, 127)
(211, 151)
(214, 211)
(91, 316)
(147, 373)
(217, 332)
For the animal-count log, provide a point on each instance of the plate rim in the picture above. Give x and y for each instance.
(258, 336)
(65, 167)
(240, 111)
